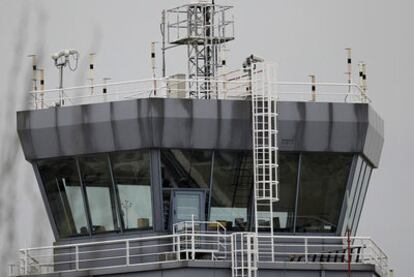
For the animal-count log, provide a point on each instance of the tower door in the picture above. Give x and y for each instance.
(187, 203)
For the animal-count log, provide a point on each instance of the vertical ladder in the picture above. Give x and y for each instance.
(265, 151)
(244, 254)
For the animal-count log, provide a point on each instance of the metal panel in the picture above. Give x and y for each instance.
(200, 124)
(361, 199)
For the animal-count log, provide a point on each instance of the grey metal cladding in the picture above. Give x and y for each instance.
(374, 139)
(200, 124)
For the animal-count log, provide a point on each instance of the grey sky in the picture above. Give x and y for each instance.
(302, 36)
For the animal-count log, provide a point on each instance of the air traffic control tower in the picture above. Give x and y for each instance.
(216, 172)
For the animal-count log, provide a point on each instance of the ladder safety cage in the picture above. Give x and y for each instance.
(244, 254)
(265, 150)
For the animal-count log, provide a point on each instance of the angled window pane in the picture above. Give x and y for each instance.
(101, 198)
(355, 198)
(349, 197)
(361, 199)
(322, 190)
(284, 209)
(186, 168)
(132, 176)
(64, 194)
(232, 189)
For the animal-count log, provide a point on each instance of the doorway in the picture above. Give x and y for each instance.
(186, 203)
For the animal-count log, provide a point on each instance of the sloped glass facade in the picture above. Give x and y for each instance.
(125, 191)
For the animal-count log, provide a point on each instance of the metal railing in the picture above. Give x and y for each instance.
(196, 244)
(234, 85)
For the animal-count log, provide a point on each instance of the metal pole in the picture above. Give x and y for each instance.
(105, 88)
(349, 62)
(361, 78)
(91, 71)
(153, 67)
(192, 237)
(349, 253)
(34, 71)
(179, 247)
(364, 78)
(163, 27)
(34, 77)
(61, 102)
(233, 253)
(42, 87)
(313, 81)
(249, 255)
(77, 256)
(127, 253)
(26, 262)
(306, 250)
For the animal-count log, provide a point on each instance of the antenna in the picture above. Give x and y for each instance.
(313, 81)
(349, 62)
(349, 72)
(363, 79)
(104, 88)
(248, 66)
(34, 77)
(203, 28)
(62, 60)
(34, 71)
(153, 67)
(91, 74)
(42, 87)
(162, 28)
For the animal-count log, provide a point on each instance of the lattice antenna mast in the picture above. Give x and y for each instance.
(204, 28)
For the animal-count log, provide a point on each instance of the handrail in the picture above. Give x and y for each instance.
(196, 245)
(222, 87)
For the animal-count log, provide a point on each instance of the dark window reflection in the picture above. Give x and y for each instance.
(284, 210)
(183, 169)
(361, 198)
(132, 176)
(232, 189)
(350, 195)
(64, 194)
(322, 189)
(186, 168)
(101, 198)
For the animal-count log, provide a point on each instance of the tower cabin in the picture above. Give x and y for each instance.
(216, 172)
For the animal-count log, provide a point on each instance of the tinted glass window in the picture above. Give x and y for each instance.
(358, 188)
(350, 194)
(284, 210)
(101, 198)
(132, 177)
(64, 194)
(184, 169)
(322, 190)
(361, 199)
(232, 189)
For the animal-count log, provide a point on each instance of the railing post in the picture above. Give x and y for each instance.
(249, 254)
(26, 262)
(192, 238)
(178, 248)
(127, 253)
(363, 251)
(77, 256)
(232, 253)
(306, 250)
